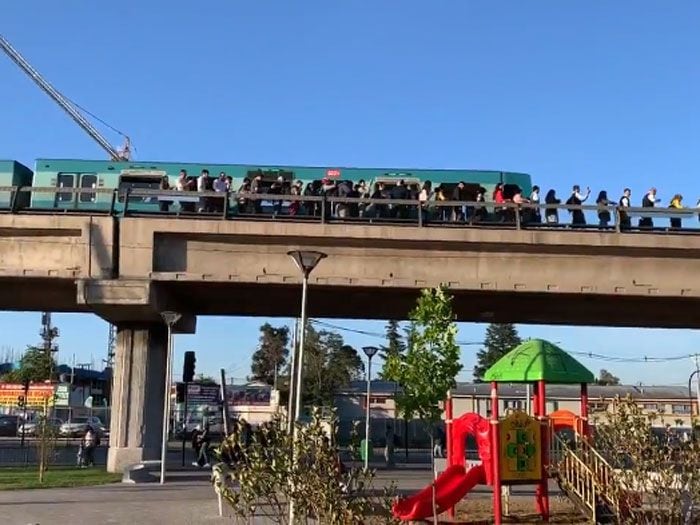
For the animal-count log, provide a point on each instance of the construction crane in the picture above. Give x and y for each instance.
(123, 154)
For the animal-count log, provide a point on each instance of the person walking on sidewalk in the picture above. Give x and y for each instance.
(200, 445)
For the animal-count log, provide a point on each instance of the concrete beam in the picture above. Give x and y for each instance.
(132, 300)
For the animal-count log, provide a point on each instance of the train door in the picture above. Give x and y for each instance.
(65, 199)
(87, 199)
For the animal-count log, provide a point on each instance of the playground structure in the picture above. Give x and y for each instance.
(515, 449)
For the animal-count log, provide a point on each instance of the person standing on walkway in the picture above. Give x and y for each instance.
(676, 205)
(625, 221)
(603, 212)
(577, 199)
(535, 215)
(551, 212)
(649, 201)
(389, 447)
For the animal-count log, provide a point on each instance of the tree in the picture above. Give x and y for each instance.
(258, 477)
(662, 463)
(271, 354)
(395, 344)
(329, 365)
(500, 339)
(205, 379)
(36, 365)
(606, 378)
(428, 369)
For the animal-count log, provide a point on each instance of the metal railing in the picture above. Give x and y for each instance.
(335, 209)
(585, 473)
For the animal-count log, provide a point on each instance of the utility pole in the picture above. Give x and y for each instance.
(697, 386)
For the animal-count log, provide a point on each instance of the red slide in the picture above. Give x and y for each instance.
(450, 488)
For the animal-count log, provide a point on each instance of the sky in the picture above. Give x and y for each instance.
(601, 94)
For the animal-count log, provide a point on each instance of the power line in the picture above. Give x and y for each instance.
(589, 355)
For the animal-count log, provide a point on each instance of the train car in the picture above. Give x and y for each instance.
(122, 176)
(13, 173)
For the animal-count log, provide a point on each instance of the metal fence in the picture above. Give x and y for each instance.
(332, 209)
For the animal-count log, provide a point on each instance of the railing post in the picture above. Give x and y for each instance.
(618, 227)
(14, 199)
(420, 214)
(323, 208)
(226, 201)
(517, 217)
(126, 201)
(112, 203)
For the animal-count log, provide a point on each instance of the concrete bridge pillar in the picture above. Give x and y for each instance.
(137, 395)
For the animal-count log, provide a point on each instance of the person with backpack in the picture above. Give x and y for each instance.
(577, 199)
(88, 445)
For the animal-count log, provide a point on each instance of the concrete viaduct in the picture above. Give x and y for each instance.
(128, 270)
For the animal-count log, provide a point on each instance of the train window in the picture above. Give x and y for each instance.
(88, 181)
(65, 180)
(471, 189)
(143, 182)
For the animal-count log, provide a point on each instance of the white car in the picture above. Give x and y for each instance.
(30, 428)
(78, 426)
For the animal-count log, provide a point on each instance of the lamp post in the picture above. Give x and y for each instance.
(170, 319)
(369, 352)
(306, 261)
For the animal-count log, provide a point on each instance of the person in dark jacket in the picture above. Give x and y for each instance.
(603, 212)
(551, 213)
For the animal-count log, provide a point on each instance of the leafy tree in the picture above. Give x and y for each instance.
(257, 478)
(500, 339)
(329, 365)
(606, 378)
(395, 344)
(271, 354)
(35, 365)
(205, 380)
(428, 369)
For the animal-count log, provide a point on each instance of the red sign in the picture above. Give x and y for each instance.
(333, 174)
(11, 392)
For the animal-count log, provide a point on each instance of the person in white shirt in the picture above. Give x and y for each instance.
(535, 215)
(625, 222)
(203, 184)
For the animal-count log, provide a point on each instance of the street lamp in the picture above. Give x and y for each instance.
(170, 319)
(306, 261)
(369, 352)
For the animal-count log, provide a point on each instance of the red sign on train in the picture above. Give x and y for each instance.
(333, 174)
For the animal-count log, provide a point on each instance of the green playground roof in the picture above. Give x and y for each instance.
(536, 360)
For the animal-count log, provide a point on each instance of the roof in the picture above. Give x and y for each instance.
(517, 390)
(537, 360)
(379, 387)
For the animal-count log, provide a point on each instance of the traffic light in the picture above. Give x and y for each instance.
(188, 368)
(20, 401)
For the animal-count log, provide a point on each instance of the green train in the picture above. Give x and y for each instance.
(122, 176)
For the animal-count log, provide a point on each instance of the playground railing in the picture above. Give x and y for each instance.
(585, 473)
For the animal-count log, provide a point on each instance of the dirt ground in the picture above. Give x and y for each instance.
(478, 511)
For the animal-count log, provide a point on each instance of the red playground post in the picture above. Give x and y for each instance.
(497, 511)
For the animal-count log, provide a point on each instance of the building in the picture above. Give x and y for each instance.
(671, 404)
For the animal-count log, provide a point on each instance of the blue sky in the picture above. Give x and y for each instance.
(594, 93)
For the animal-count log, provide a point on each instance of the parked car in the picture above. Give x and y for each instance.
(30, 428)
(78, 426)
(8, 425)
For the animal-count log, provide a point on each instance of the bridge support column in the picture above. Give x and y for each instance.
(137, 395)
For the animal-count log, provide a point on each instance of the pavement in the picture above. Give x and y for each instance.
(187, 498)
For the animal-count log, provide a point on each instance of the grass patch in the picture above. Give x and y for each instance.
(28, 478)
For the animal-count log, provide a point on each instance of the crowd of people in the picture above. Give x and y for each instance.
(531, 209)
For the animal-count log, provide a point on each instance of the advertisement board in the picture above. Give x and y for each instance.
(10, 394)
